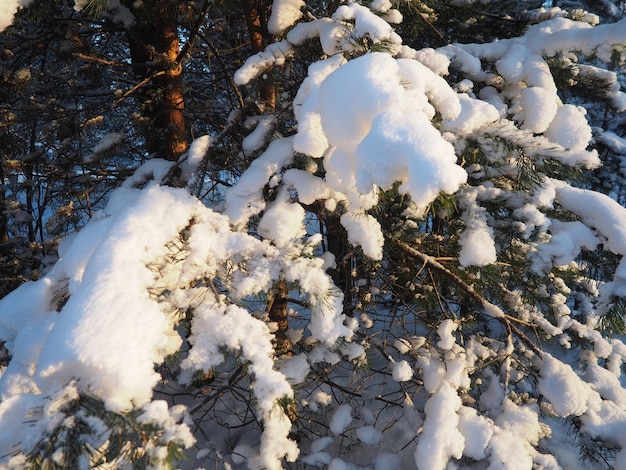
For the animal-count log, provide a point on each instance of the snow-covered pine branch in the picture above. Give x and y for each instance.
(452, 282)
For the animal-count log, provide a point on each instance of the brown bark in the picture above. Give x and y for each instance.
(256, 21)
(171, 117)
(4, 222)
(155, 47)
(278, 314)
(338, 245)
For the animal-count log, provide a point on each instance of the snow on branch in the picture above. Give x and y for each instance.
(117, 267)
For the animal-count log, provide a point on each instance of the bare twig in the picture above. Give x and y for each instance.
(193, 33)
(99, 60)
(202, 168)
(137, 87)
(227, 75)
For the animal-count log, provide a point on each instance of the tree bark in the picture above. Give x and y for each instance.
(338, 245)
(4, 222)
(154, 48)
(256, 21)
(278, 314)
(171, 116)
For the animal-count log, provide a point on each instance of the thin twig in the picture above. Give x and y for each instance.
(241, 114)
(136, 87)
(228, 76)
(432, 27)
(99, 60)
(194, 32)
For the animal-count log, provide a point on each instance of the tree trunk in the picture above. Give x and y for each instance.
(256, 20)
(338, 245)
(4, 221)
(154, 47)
(278, 314)
(171, 116)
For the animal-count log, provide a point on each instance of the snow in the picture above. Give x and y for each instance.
(608, 423)
(310, 138)
(441, 438)
(282, 221)
(106, 143)
(402, 345)
(338, 464)
(263, 127)
(445, 330)
(73, 349)
(476, 430)
(521, 421)
(433, 372)
(565, 244)
(605, 216)
(371, 77)
(195, 156)
(491, 399)
(477, 244)
(106, 269)
(387, 461)
(606, 384)
(613, 141)
(274, 54)
(378, 140)
(366, 121)
(157, 412)
(569, 128)
(369, 435)
(567, 393)
(317, 459)
(529, 85)
(332, 34)
(366, 23)
(12, 411)
(432, 59)
(474, 115)
(296, 368)
(318, 398)
(341, 419)
(394, 151)
(597, 211)
(562, 32)
(246, 198)
(383, 134)
(284, 14)
(537, 109)
(364, 231)
(402, 371)
(114, 9)
(320, 444)
(8, 9)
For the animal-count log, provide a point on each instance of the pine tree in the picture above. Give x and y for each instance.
(408, 256)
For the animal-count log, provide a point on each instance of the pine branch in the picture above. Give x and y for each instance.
(491, 309)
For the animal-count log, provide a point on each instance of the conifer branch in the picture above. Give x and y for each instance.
(504, 319)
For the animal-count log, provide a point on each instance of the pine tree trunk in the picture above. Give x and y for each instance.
(278, 314)
(154, 47)
(338, 245)
(4, 221)
(256, 20)
(171, 115)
